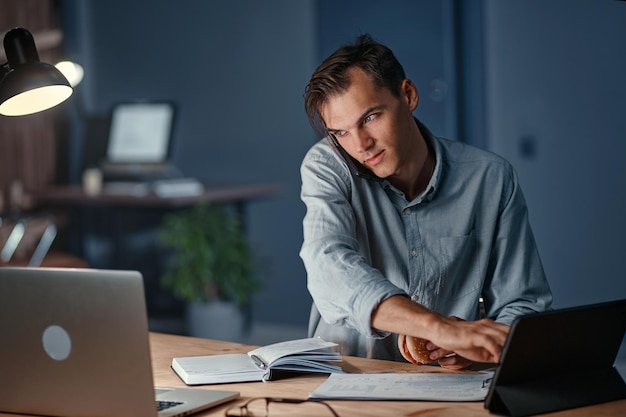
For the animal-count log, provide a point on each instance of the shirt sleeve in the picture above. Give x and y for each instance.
(344, 287)
(515, 282)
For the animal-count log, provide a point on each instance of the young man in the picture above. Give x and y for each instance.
(405, 232)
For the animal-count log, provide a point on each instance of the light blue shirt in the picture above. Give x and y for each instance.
(466, 236)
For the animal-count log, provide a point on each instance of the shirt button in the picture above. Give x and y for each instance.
(415, 298)
(407, 211)
(414, 253)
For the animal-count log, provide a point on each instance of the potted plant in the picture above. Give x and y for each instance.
(211, 268)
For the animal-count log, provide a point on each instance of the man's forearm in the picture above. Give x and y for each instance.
(398, 314)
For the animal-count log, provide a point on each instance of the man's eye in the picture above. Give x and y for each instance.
(371, 117)
(340, 133)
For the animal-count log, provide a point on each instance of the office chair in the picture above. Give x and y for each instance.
(27, 240)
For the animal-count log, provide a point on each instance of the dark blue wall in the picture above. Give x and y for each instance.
(554, 99)
(238, 70)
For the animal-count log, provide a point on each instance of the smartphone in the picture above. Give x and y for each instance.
(355, 166)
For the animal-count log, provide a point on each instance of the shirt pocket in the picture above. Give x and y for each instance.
(461, 272)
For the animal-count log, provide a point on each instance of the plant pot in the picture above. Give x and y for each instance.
(218, 320)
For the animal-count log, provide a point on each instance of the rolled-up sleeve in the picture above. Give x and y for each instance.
(344, 287)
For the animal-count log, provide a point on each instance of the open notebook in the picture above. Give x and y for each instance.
(75, 343)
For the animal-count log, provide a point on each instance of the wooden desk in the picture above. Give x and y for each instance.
(165, 347)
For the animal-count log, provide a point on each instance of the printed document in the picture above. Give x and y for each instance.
(413, 386)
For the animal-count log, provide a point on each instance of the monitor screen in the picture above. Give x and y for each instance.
(140, 132)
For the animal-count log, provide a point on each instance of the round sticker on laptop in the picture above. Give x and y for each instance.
(57, 342)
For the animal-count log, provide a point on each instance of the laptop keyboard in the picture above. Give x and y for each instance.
(164, 405)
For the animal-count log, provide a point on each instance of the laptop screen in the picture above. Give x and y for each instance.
(140, 133)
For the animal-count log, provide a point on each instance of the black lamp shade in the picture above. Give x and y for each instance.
(29, 86)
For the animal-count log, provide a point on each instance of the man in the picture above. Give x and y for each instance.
(405, 232)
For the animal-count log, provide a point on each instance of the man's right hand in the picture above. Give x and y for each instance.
(478, 341)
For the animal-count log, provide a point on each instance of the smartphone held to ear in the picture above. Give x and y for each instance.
(355, 166)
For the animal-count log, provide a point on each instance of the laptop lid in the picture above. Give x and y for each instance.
(75, 343)
(560, 359)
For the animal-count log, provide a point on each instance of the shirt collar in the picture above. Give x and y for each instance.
(435, 147)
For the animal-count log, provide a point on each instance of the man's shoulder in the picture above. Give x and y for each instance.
(320, 149)
(321, 160)
(323, 154)
(461, 152)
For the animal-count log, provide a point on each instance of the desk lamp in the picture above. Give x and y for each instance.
(27, 85)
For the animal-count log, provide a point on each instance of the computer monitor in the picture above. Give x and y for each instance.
(140, 133)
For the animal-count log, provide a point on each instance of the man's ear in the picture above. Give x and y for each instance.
(409, 92)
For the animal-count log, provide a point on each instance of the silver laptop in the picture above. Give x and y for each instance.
(74, 342)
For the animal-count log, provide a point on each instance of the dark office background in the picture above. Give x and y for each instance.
(540, 82)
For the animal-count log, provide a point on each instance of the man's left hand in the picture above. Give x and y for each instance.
(447, 359)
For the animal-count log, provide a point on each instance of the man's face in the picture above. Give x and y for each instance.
(375, 127)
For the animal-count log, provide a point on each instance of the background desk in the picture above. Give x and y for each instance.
(165, 347)
(72, 196)
(113, 231)
(74, 199)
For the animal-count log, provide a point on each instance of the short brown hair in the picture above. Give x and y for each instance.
(330, 78)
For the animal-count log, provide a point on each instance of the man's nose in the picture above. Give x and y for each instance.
(364, 140)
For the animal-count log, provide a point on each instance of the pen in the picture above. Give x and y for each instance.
(258, 361)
